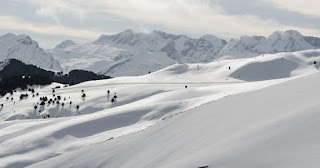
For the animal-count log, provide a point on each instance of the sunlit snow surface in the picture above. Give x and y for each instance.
(207, 123)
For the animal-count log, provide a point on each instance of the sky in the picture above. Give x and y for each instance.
(51, 21)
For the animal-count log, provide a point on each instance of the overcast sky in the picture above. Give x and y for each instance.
(51, 21)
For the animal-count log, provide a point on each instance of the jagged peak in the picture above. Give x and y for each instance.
(158, 32)
(245, 37)
(20, 38)
(259, 37)
(123, 34)
(23, 36)
(8, 35)
(286, 34)
(293, 32)
(130, 31)
(166, 35)
(68, 42)
(209, 36)
(251, 38)
(26, 40)
(213, 39)
(127, 32)
(65, 44)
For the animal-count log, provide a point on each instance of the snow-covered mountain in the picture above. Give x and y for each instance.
(131, 53)
(289, 41)
(263, 108)
(314, 41)
(177, 47)
(23, 48)
(241, 48)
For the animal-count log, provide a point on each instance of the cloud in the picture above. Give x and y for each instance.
(306, 7)
(13, 23)
(185, 16)
(58, 8)
(191, 16)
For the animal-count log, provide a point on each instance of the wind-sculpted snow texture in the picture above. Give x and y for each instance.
(226, 114)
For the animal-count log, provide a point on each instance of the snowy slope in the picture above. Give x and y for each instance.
(142, 102)
(129, 53)
(23, 48)
(273, 127)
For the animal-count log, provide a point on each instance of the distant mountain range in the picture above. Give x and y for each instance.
(131, 53)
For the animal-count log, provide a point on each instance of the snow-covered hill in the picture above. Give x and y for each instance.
(273, 127)
(219, 117)
(23, 48)
(131, 53)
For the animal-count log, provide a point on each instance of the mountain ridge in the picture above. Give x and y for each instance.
(126, 51)
(129, 53)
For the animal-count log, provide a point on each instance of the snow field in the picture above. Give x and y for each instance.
(146, 100)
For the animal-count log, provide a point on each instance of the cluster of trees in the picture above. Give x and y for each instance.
(17, 74)
(14, 82)
(56, 99)
(43, 101)
(78, 76)
(114, 98)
